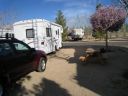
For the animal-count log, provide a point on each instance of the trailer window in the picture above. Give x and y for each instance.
(30, 33)
(48, 32)
(56, 33)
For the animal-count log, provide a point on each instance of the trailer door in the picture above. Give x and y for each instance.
(30, 35)
(49, 41)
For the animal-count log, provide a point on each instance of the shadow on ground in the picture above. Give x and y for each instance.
(103, 79)
(44, 88)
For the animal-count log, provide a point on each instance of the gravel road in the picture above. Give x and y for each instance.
(67, 76)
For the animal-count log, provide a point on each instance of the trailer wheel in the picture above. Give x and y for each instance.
(41, 65)
(56, 48)
(75, 39)
(54, 52)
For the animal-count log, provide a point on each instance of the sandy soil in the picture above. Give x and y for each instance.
(67, 76)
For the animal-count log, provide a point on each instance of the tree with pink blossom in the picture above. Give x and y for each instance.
(108, 18)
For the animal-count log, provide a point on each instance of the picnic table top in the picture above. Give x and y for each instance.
(91, 51)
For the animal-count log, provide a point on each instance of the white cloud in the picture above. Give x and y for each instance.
(74, 12)
(77, 12)
(80, 20)
(74, 1)
(56, 0)
(76, 4)
(78, 17)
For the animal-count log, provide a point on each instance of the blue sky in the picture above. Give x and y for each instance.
(74, 10)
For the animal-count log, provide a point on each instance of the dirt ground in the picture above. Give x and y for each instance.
(67, 76)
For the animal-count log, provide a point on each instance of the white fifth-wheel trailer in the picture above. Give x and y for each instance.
(40, 34)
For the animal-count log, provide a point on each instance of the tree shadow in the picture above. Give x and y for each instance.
(17, 88)
(49, 88)
(106, 79)
(44, 88)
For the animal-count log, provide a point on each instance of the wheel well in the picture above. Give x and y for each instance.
(45, 59)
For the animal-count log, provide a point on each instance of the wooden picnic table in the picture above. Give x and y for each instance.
(89, 53)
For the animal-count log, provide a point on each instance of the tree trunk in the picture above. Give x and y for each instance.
(106, 40)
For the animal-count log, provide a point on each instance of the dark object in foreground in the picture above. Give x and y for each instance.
(16, 60)
(125, 74)
(102, 50)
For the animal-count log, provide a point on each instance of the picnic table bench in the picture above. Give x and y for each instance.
(90, 53)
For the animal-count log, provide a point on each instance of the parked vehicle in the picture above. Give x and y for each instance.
(77, 34)
(40, 34)
(18, 59)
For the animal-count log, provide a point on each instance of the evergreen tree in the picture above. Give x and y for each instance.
(60, 19)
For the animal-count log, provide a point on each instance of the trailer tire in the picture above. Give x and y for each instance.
(56, 48)
(75, 39)
(41, 65)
